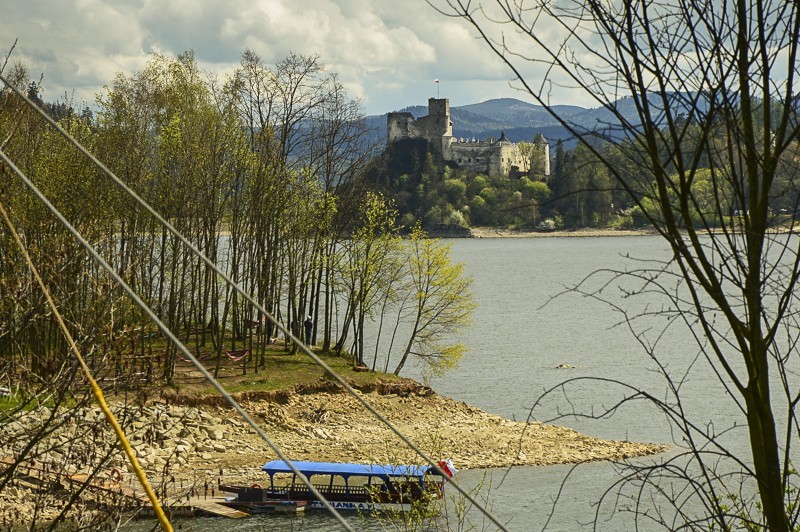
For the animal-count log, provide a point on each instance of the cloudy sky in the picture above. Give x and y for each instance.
(386, 52)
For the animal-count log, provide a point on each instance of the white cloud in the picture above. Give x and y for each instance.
(385, 52)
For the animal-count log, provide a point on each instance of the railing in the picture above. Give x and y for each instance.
(394, 492)
(337, 492)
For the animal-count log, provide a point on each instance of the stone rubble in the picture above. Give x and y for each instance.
(204, 445)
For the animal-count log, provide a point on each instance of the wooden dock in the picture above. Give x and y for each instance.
(184, 506)
(191, 507)
(109, 486)
(214, 508)
(196, 507)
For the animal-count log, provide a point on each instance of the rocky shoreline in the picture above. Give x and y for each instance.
(201, 444)
(491, 232)
(587, 232)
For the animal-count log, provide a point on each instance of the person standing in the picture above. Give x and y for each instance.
(309, 326)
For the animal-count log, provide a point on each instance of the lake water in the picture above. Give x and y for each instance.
(518, 337)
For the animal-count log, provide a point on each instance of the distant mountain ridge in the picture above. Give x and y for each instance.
(520, 120)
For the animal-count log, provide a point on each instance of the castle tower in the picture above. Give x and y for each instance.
(436, 127)
(439, 111)
(440, 128)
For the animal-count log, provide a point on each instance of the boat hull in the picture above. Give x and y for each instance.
(362, 506)
(264, 500)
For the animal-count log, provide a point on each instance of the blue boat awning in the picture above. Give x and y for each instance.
(345, 470)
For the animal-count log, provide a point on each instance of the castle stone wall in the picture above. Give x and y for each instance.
(488, 157)
(401, 126)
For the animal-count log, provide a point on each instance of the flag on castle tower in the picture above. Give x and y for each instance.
(436, 80)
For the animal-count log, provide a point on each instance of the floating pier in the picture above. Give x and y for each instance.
(184, 506)
(196, 507)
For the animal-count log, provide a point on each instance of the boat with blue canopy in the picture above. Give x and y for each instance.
(363, 487)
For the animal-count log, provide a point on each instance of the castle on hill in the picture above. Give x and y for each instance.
(493, 157)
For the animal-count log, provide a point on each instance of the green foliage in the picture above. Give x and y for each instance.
(479, 212)
(702, 203)
(456, 218)
(435, 216)
(489, 194)
(371, 269)
(407, 221)
(535, 190)
(535, 155)
(442, 304)
(477, 183)
(456, 191)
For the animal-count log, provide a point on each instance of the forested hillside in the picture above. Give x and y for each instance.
(579, 192)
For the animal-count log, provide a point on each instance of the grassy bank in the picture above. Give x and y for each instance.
(279, 370)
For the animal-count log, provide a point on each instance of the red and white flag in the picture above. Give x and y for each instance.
(448, 467)
(436, 80)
